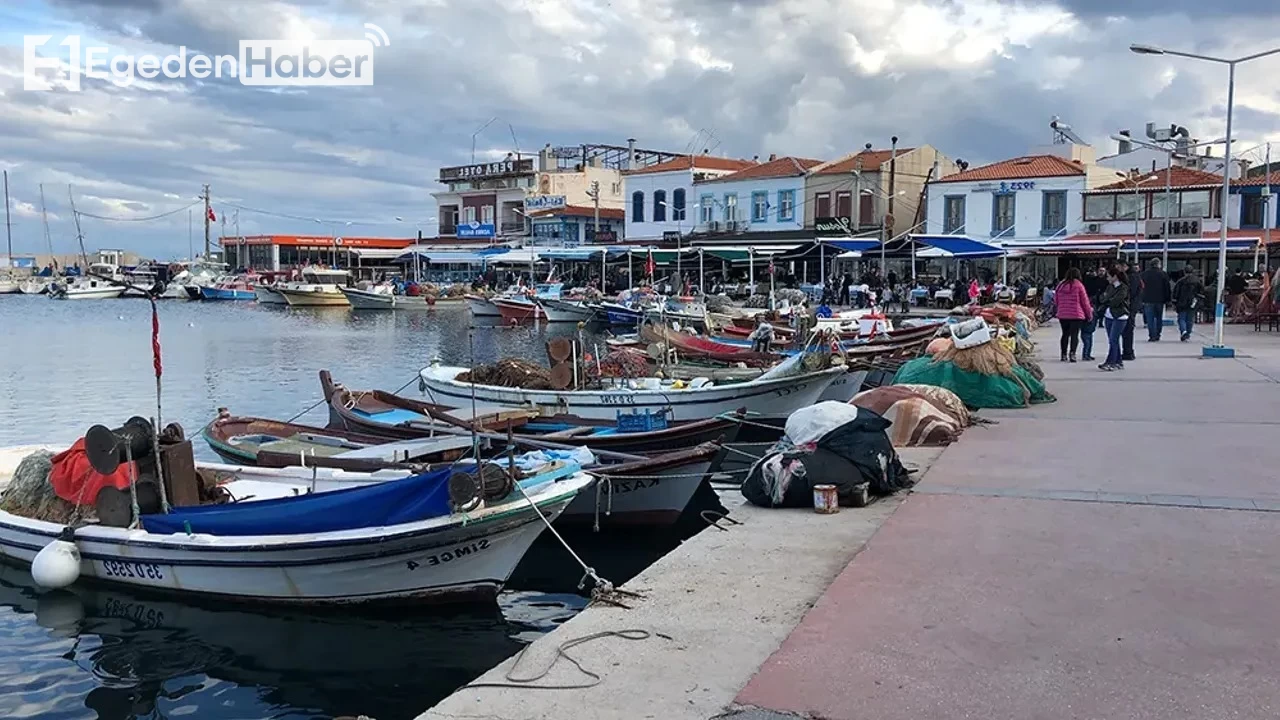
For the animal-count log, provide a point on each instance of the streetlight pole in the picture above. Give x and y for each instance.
(1219, 348)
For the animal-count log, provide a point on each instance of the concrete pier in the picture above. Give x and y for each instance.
(1114, 554)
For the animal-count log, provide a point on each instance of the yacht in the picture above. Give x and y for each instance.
(319, 286)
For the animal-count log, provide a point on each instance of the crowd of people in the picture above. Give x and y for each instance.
(1112, 297)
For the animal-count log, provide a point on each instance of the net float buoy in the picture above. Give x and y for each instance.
(57, 565)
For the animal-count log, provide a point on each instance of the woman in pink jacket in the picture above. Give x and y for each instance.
(1074, 309)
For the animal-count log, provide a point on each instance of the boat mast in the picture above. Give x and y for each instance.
(44, 216)
(79, 235)
(8, 229)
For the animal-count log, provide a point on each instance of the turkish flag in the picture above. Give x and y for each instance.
(212, 217)
(649, 267)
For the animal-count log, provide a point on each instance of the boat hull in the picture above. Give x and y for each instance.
(268, 296)
(36, 286)
(307, 298)
(519, 311)
(658, 498)
(103, 292)
(773, 396)
(216, 293)
(365, 300)
(426, 561)
(482, 307)
(558, 311)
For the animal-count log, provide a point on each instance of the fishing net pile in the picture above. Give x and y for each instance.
(791, 295)
(921, 414)
(991, 374)
(453, 291)
(30, 494)
(621, 363)
(509, 372)
(718, 303)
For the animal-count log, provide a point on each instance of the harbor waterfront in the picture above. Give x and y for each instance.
(103, 652)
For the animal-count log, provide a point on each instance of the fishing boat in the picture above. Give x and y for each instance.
(269, 294)
(481, 307)
(515, 310)
(558, 311)
(393, 540)
(319, 287)
(141, 281)
(201, 273)
(379, 413)
(270, 443)
(84, 288)
(693, 401)
(9, 284)
(485, 307)
(383, 297)
(619, 314)
(35, 285)
(239, 287)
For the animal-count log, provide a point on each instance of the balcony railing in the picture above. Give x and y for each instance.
(511, 228)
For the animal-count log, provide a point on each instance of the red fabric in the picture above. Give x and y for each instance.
(155, 340)
(1073, 301)
(212, 217)
(75, 480)
(649, 266)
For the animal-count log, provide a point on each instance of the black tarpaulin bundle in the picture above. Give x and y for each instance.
(855, 452)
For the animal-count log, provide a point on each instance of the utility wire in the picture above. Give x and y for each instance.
(82, 213)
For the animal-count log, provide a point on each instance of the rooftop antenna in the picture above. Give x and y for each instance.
(1063, 134)
(477, 132)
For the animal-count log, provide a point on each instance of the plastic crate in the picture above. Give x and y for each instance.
(637, 421)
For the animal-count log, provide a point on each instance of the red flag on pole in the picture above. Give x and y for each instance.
(212, 217)
(649, 267)
(772, 269)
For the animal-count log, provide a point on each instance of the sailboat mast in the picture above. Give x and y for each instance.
(44, 216)
(79, 235)
(8, 228)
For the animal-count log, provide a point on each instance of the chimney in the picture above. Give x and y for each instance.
(773, 156)
(1125, 145)
(631, 153)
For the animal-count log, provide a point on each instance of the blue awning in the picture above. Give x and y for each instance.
(959, 246)
(853, 245)
(439, 257)
(1192, 245)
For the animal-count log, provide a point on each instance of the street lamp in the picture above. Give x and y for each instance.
(884, 229)
(1219, 348)
(1168, 181)
(1137, 217)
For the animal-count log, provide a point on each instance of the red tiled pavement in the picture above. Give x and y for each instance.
(997, 607)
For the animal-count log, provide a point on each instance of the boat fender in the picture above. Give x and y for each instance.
(57, 565)
(699, 382)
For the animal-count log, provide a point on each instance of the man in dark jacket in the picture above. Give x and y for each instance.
(1156, 294)
(1095, 282)
(1135, 301)
(1186, 298)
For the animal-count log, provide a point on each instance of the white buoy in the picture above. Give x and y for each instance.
(57, 565)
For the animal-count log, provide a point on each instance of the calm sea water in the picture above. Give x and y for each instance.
(97, 652)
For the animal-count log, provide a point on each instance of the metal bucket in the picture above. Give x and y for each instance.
(825, 499)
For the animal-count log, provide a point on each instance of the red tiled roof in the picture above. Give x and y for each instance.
(780, 168)
(1030, 166)
(581, 211)
(871, 161)
(1256, 181)
(1182, 178)
(705, 162)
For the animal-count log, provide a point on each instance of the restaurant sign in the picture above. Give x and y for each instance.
(544, 202)
(475, 230)
(833, 226)
(523, 166)
(1179, 228)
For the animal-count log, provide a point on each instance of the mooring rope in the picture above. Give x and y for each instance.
(561, 652)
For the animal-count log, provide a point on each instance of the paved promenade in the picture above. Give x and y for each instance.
(1113, 555)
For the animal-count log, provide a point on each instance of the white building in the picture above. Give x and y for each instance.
(660, 198)
(768, 197)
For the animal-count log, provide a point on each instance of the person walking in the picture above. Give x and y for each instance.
(1156, 293)
(1095, 283)
(1186, 300)
(1116, 303)
(1073, 309)
(1135, 299)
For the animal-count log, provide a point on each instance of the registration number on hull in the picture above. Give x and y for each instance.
(130, 569)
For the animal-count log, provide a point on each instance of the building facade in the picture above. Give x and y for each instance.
(660, 198)
(284, 252)
(767, 197)
(873, 177)
(575, 225)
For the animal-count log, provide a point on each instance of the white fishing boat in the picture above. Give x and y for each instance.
(383, 297)
(84, 288)
(392, 540)
(35, 285)
(202, 273)
(9, 284)
(768, 395)
(566, 311)
(319, 287)
(269, 294)
(483, 307)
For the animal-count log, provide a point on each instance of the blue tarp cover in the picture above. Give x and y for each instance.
(854, 245)
(959, 245)
(412, 499)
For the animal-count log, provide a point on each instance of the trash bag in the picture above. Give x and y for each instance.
(854, 453)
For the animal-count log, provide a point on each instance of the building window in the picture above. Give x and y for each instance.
(677, 205)
(1252, 211)
(637, 206)
(1099, 207)
(1129, 207)
(844, 205)
(469, 214)
(486, 213)
(706, 208)
(759, 207)
(1002, 213)
(822, 205)
(730, 208)
(1053, 212)
(953, 214)
(1195, 204)
(659, 205)
(787, 205)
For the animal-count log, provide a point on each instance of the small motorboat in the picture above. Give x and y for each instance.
(268, 295)
(270, 443)
(481, 307)
(517, 310)
(383, 297)
(558, 311)
(85, 288)
(319, 287)
(240, 287)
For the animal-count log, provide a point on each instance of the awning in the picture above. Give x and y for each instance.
(959, 246)
(661, 256)
(857, 246)
(1192, 245)
(517, 256)
(437, 257)
(743, 253)
(570, 253)
(378, 253)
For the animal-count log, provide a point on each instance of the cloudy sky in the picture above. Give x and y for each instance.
(979, 79)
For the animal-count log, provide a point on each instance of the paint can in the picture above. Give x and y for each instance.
(825, 499)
